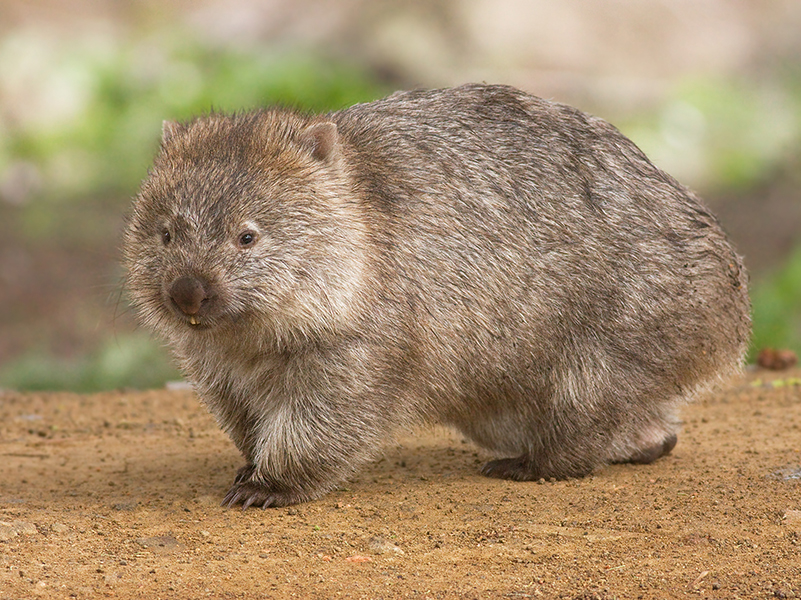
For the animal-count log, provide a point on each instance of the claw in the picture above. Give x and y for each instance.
(244, 473)
(230, 498)
(248, 502)
(249, 492)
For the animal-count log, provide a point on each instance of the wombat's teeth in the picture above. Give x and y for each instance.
(193, 320)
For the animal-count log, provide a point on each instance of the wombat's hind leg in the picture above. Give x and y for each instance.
(523, 468)
(509, 468)
(650, 454)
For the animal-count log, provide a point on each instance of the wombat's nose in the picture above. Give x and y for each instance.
(188, 293)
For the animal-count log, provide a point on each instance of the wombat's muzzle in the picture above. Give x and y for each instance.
(191, 296)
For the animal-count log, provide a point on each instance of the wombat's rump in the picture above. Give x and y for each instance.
(473, 256)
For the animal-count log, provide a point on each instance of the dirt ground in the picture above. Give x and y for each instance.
(117, 495)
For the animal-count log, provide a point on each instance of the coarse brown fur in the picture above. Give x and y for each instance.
(474, 256)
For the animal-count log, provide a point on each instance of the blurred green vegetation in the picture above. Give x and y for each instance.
(777, 308)
(92, 123)
(133, 360)
(717, 134)
(118, 96)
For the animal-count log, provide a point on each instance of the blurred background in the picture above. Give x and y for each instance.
(710, 89)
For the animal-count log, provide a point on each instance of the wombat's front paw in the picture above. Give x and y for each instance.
(250, 493)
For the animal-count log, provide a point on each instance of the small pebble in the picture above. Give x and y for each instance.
(15, 528)
(358, 559)
(7, 532)
(178, 386)
(160, 543)
(59, 528)
(776, 359)
(380, 545)
(792, 519)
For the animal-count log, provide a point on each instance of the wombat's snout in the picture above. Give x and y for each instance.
(190, 295)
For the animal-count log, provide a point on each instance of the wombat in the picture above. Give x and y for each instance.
(476, 257)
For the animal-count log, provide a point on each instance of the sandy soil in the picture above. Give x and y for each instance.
(116, 495)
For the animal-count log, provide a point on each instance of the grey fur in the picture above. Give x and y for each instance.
(474, 256)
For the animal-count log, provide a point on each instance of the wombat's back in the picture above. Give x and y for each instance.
(557, 278)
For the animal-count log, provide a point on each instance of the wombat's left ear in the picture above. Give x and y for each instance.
(321, 139)
(169, 129)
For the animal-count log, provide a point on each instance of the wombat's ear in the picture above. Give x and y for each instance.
(169, 129)
(321, 139)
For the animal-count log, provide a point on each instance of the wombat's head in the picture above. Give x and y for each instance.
(245, 222)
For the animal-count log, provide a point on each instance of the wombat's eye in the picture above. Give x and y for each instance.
(247, 239)
(165, 236)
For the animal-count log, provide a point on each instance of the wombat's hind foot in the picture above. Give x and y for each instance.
(649, 455)
(523, 468)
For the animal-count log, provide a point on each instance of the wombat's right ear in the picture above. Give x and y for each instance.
(169, 129)
(321, 139)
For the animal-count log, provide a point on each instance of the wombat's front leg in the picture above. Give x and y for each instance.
(298, 450)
